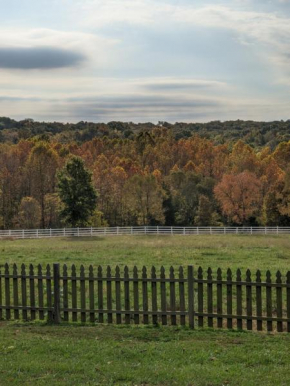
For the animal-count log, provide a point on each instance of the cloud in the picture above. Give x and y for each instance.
(38, 58)
(48, 48)
(172, 85)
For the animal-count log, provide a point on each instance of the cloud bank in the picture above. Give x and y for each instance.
(38, 58)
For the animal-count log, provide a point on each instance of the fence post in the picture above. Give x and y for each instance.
(56, 292)
(190, 296)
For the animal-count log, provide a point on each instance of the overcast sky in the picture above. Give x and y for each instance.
(145, 60)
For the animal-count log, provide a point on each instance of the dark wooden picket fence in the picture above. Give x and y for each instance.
(147, 296)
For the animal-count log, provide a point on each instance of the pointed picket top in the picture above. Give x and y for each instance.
(258, 276)
(31, 269)
(199, 273)
(268, 276)
(278, 277)
(153, 271)
(209, 273)
(219, 274)
(248, 275)
(100, 270)
(144, 272)
(288, 277)
(48, 270)
(126, 271)
(6, 268)
(73, 270)
(135, 271)
(64, 270)
(118, 271)
(162, 271)
(14, 269)
(171, 272)
(91, 270)
(180, 270)
(82, 270)
(239, 275)
(229, 274)
(22, 269)
(108, 271)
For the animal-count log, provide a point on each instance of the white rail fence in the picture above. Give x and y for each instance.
(140, 230)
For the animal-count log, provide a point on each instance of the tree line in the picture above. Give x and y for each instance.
(152, 178)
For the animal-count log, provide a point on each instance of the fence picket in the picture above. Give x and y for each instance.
(229, 299)
(200, 297)
(239, 301)
(172, 296)
(163, 295)
(145, 295)
(249, 300)
(1, 304)
(32, 292)
(279, 301)
(92, 293)
(74, 299)
(209, 297)
(7, 292)
(118, 296)
(288, 300)
(136, 294)
(127, 294)
(269, 301)
(219, 298)
(48, 293)
(154, 295)
(83, 294)
(65, 293)
(23, 292)
(109, 295)
(259, 301)
(100, 294)
(15, 292)
(181, 296)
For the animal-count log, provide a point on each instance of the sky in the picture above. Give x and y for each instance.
(145, 60)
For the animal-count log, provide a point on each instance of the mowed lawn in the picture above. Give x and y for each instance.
(72, 354)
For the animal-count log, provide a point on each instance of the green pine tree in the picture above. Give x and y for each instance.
(76, 192)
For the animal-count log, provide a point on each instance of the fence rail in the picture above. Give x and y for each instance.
(140, 230)
(181, 296)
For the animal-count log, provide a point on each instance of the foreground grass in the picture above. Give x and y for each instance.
(109, 355)
(254, 252)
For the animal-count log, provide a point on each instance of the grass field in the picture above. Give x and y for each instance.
(35, 353)
(254, 252)
(106, 355)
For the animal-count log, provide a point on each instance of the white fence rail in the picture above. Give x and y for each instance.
(141, 230)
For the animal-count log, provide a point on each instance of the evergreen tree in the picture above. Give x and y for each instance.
(76, 192)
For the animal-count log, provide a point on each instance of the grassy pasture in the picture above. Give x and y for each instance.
(224, 251)
(36, 353)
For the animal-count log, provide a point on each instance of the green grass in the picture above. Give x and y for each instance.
(254, 252)
(40, 354)
(106, 355)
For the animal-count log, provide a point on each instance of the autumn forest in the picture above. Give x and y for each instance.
(217, 174)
